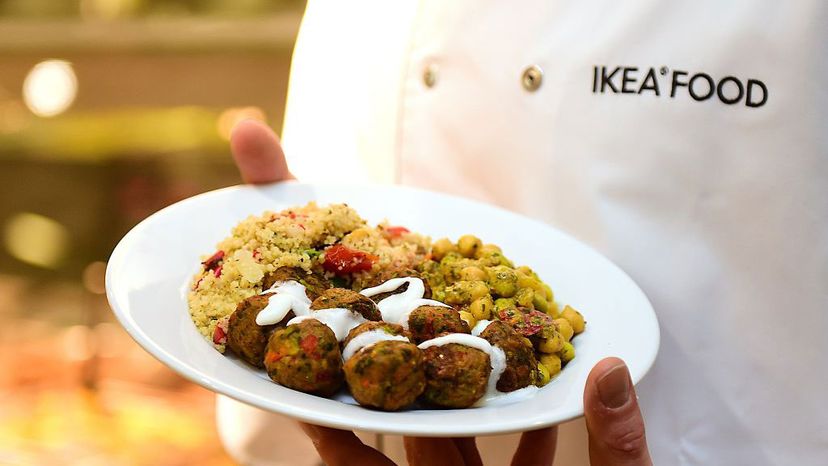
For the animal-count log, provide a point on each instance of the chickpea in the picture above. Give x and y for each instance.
(469, 318)
(503, 303)
(575, 319)
(565, 328)
(552, 363)
(539, 302)
(503, 281)
(468, 245)
(525, 297)
(525, 281)
(487, 250)
(473, 272)
(464, 292)
(567, 353)
(525, 270)
(543, 375)
(441, 247)
(481, 308)
(552, 344)
(550, 296)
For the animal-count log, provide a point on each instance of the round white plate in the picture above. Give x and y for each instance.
(153, 263)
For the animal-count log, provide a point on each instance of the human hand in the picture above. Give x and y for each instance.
(614, 422)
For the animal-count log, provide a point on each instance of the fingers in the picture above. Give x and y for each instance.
(536, 447)
(616, 428)
(421, 451)
(467, 448)
(341, 448)
(258, 153)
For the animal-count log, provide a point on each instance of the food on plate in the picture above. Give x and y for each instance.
(306, 357)
(456, 375)
(387, 375)
(372, 332)
(426, 322)
(347, 299)
(521, 365)
(245, 337)
(315, 283)
(323, 301)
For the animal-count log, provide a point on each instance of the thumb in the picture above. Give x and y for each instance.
(614, 422)
(258, 153)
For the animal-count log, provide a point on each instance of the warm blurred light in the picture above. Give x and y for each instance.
(36, 239)
(107, 9)
(232, 116)
(50, 88)
(77, 343)
(112, 340)
(13, 116)
(93, 277)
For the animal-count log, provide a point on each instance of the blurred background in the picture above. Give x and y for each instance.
(109, 111)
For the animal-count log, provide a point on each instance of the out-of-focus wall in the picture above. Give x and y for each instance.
(110, 110)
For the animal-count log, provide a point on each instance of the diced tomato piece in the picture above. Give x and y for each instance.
(213, 261)
(219, 336)
(342, 260)
(272, 356)
(217, 271)
(396, 231)
(308, 344)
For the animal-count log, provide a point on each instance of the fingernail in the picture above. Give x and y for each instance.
(614, 387)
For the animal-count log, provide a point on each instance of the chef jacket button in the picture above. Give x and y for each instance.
(430, 75)
(532, 78)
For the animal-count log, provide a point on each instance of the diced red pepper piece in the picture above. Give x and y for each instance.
(272, 356)
(397, 231)
(308, 345)
(342, 260)
(217, 271)
(213, 261)
(219, 336)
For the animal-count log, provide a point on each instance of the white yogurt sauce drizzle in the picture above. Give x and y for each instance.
(480, 326)
(366, 339)
(341, 321)
(290, 295)
(397, 307)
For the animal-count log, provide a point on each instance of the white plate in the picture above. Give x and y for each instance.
(154, 261)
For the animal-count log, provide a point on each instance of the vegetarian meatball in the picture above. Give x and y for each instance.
(314, 283)
(387, 327)
(426, 322)
(387, 375)
(521, 365)
(305, 357)
(387, 274)
(347, 299)
(245, 337)
(456, 375)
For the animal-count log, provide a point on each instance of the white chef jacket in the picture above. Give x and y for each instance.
(686, 141)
